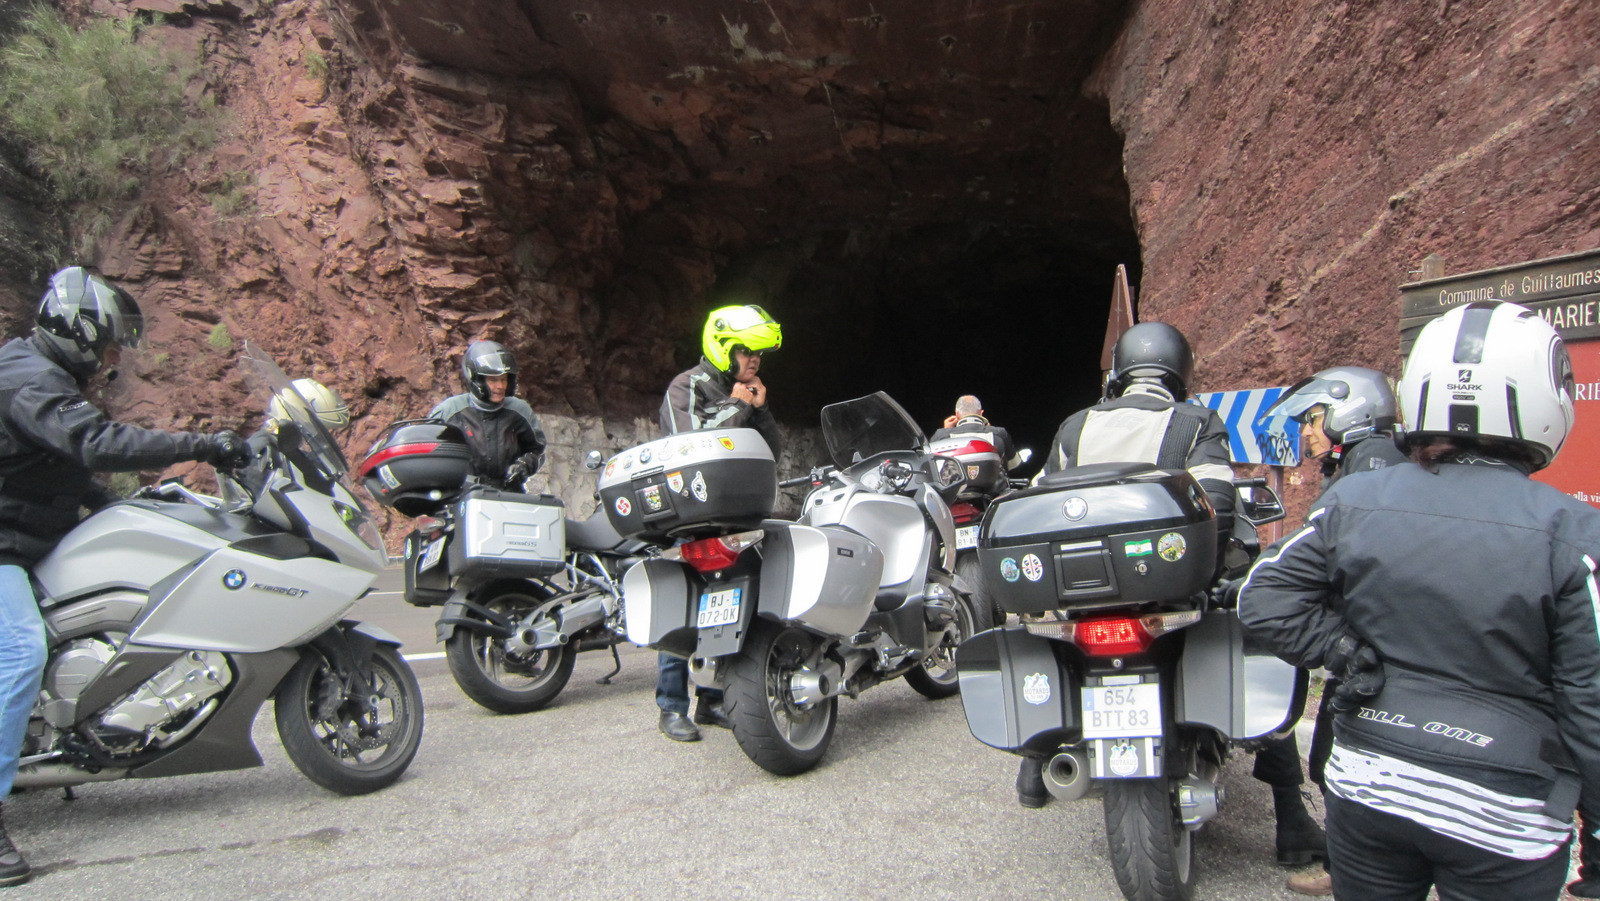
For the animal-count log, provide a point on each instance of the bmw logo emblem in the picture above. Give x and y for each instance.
(233, 579)
(1075, 508)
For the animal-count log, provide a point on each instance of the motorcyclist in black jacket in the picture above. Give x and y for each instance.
(51, 441)
(1145, 419)
(968, 419)
(1456, 597)
(503, 434)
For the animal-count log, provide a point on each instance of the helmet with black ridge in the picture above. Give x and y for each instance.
(82, 314)
(1151, 352)
(483, 360)
(1490, 369)
(1356, 403)
(748, 327)
(310, 397)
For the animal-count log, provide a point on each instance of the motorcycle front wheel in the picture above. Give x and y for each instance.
(502, 681)
(935, 676)
(1152, 854)
(350, 745)
(781, 736)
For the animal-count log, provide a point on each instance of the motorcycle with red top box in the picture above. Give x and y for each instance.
(522, 588)
(787, 616)
(1128, 674)
(986, 478)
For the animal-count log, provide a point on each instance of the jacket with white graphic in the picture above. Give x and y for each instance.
(701, 398)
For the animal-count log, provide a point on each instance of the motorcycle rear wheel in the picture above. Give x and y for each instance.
(774, 732)
(499, 681)
(1152, 854)
(935, 677)
(347, 744)
(971, 572)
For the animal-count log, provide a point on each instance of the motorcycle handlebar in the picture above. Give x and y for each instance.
(814, 477)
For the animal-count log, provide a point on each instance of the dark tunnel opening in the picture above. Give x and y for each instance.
(1012, 313)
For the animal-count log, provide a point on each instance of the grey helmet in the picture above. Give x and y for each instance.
(1151, 351)
(81, 314)
(482, 360)
(1359, 403)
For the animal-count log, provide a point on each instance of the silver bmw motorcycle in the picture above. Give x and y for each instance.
(173, 616)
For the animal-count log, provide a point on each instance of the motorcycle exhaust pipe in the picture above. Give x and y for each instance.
(1066, 775)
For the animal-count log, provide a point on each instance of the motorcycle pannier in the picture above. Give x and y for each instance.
(717, 479)
(416, 466)
(504, 533)
(1091, 536)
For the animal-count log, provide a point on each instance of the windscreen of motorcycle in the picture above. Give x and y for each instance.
(859, 429)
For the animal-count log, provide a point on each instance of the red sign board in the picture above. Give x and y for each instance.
(1577, 468)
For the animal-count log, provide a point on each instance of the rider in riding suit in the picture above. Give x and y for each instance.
(502, 432)
(51, 441)
(723, 391)
(969, 420)
(1456, 598)
(1347, 416)
(1145, 419)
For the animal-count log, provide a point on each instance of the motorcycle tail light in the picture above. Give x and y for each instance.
(709, 555)
(429, 525)
(1121, 636)
(399, 450)
(965, 513)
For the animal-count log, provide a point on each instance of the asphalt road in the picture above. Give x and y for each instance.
(586, 800)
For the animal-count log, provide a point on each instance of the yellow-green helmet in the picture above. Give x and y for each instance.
(746, 326)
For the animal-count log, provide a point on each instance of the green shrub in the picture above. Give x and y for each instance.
(220, 338)
(96, 109)
(232, 196)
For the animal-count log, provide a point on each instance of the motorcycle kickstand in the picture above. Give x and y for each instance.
(616, 662)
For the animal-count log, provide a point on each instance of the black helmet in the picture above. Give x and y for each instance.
(1151, 351)
(82, 314)
(482, 360)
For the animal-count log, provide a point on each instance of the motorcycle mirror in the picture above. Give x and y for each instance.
(592, 460)
(1258, 504)
(1025, 454)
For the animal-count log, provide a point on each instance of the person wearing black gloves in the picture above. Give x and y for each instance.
(1456, 599)
(1145, 420)
(502, 432)
(1347, 417)
(51, 442)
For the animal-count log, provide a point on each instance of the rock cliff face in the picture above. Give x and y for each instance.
(930, 194)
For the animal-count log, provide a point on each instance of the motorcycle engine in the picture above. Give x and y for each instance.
(168, 706)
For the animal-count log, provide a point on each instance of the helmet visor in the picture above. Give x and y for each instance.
(1298, 402)
(491, 363)
(121, 313)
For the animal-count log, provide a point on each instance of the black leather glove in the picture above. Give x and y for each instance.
(225, 450)
(1225, 594)
(524, 466)
(1359, 670)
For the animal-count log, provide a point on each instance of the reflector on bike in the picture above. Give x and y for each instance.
(709, 555)
(1119, 636)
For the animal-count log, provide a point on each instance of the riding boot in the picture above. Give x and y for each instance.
(14, 870)
(1030, 783)
(1300, 840)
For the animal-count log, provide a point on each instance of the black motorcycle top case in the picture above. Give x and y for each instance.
(712, 481)
(1112, 533)
(416, 466)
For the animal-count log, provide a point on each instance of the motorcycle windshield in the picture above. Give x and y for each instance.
(867, 426)
(318, 441)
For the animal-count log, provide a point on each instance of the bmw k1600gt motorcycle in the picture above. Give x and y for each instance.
(1124, 675)
(785, 616)
(173, 616)
(522, 588)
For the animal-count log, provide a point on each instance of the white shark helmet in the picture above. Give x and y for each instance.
(1490, 370)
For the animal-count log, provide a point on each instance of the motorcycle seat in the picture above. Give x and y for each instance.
(1093, 474)
(593, 534)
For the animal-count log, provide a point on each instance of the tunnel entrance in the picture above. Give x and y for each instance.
(1013, 313)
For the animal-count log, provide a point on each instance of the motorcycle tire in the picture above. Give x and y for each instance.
(1152, 854)
(346, 744)
(971, 573)
(497, 681)
(771, 729)
(935, 676)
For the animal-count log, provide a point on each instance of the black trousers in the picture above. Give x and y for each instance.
(1377, 856)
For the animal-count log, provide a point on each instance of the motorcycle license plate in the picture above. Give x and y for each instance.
(431, 556)
(718, 608)
(966, 538)
(1122, 711)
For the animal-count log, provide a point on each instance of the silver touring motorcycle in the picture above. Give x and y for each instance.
(787, 616)
(171, 617)
(1127, 675)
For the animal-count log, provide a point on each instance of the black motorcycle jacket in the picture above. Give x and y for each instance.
(1145, 425)
(1366, 455)
(702, 398)
(1476, 587)
(978, 427)
(495, 438)
(52, 440)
